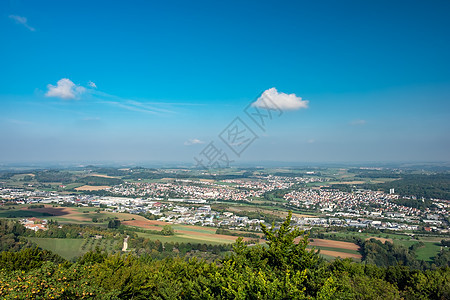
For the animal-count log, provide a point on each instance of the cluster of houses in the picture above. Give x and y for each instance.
(235, 189)
(34, 224)
(335, 200)
(204, 216)
(356, 223)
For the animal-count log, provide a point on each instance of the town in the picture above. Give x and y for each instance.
(192, 202)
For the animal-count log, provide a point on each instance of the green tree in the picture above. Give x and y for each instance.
(167, 230)
(114, 224)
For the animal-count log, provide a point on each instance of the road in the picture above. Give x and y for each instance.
(125, 243)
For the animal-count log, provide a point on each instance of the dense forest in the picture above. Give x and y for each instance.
(281, 270)
(375, 173)
(96, 180)
(418, 185)
(54, 176)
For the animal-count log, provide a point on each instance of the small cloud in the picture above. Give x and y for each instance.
(193, 142)
(358, 122)
(92, 84)
(65, 89)
(23, 21)
(272, 99)
(311, 141)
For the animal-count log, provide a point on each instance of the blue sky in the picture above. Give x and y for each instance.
(160, 81)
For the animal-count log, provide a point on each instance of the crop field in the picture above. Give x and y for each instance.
(73, 185)
(102, 175)
(76, 215)
(67, 248)
(340, 250)
(336, 254)
(92, 187)
(195, 228)
(334, 244)
(189, 238)
(183, 233)
(109, 245)
(20, 214)
(336, 248)
(145, 224)
(72, 248)
(193, 234)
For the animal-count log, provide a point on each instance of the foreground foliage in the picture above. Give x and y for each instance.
(284, 269)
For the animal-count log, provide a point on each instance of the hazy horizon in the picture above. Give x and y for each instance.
(241, 164)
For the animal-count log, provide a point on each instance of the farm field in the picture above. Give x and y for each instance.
(334, 244)
(430, 250)
(427, 252)
(187, 238)
(336, 248)
(73, 185)
(72, 248)
(67, 248)
(195, 228)
(20, 214)
(341, 250)
(336, 254)
(74, 215)
(183, 233)
(92, 187)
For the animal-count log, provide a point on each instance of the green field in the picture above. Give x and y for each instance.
(328, 257)
(67, 248)
(336, 249)
(73, 185)
(17, 213)
(72, 248)
(183, 238)
(430, 250)
(363, 235)
(193, 228)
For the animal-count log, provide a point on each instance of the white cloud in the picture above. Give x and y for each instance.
(92, 84)
(272, 99)
(23, 21)
(65, 89)
(311, 141)
(193, 142)
(358, 122)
